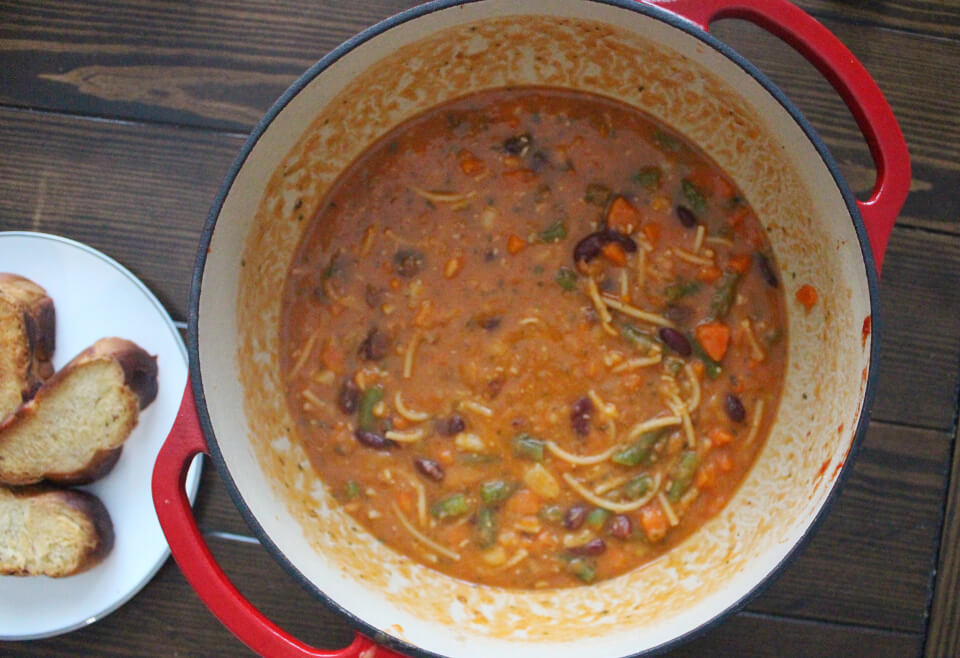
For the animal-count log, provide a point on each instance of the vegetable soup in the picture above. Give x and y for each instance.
(533, 338)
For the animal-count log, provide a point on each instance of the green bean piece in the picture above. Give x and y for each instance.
(486, 527)
(711, 367)
(681, 289)
(597, 518)
(555, 232)
(682, 475)
(567, 278)
(724, 295)
(351, 490)
(597, 194)
(476, 458)
(667, 142)
(694, 196)
(528, 447)
(639, 450)
(495, 492)
(551, 513)
(582, 570)
(648, 177)
(636, 336)
(450, 506)
(365, 418)
(637, 487)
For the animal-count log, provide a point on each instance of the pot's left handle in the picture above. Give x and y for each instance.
(198, 564)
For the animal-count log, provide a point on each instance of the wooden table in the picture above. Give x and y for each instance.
(118, 123)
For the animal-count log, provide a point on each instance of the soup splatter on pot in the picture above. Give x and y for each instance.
(533, 338)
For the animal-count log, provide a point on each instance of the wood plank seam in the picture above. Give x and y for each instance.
(942, 636)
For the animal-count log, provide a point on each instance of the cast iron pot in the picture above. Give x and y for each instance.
(662, 60)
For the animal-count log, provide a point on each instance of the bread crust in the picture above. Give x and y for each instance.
(139, 384)
(85, 503)
(27, 338)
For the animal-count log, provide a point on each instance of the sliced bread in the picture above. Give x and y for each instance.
(52, 532)
(73, 429)
(27, 337)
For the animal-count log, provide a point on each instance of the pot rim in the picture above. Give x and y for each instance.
(650, 11)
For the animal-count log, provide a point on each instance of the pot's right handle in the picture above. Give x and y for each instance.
(848, 77)
(198, 564)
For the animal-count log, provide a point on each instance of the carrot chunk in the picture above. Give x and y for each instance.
(470, 164)
(614, 253)
(622, 216)
(652, 232)
(654, 523)
(807, 295)
(523, 502)
(714, 337)
(720, 436)
(736, 219)
(740, 263)
(515, 244)
(709, 273)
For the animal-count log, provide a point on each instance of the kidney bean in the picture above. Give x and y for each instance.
(451, 425)
(408, 262)
(686, 217)
(429, 468)
(590, 246)
(490, 323)
(538, 161)
(592, 547)
(580, 414)
(349, 397)
(675, 341)
(575, 516)
(766, 270)
(372, 296)
(375, 346)
(373, 440)
(621, 526)
(518, 144)
(734, 408)
(494, 386)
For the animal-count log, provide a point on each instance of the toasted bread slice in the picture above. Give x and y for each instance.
(52, 532)
(73, 430)
(27, 335)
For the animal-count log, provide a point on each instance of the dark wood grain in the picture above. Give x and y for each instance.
(225, 63)
(943, 635)
(871, 561)
(920, 304)
(939, 18)
(763, 636)
(217, 64)
(125, 189)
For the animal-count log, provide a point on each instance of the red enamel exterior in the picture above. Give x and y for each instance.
(848, 77)
(198, 565)
(781, 18)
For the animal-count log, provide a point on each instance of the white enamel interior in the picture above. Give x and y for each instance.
(782, 175)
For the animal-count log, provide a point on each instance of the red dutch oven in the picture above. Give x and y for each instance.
(660, 58)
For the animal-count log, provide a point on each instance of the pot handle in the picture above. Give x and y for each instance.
(199, 566)
(848, 77)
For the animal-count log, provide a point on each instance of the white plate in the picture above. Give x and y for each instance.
(96, 297)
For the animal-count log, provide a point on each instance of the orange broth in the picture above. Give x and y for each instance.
(533, 338)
